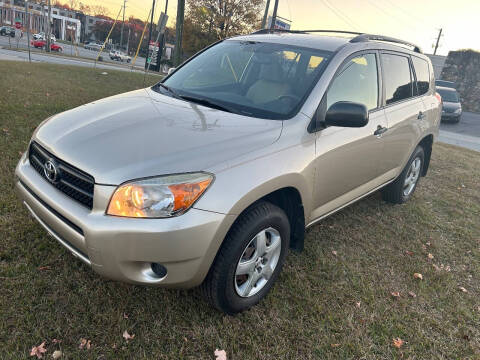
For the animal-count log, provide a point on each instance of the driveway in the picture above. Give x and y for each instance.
(465, 134)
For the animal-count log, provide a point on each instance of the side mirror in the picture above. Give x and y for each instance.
(171, 70)
(347, 114)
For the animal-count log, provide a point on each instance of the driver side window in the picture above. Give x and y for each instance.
(357, 82)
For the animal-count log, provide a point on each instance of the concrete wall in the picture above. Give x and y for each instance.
(463, 68)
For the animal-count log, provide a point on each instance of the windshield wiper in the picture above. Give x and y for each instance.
(208, 103)
(169, 89)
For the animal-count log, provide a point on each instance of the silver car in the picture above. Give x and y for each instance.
(210, 176)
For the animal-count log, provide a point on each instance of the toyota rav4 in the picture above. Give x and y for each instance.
(210, 176)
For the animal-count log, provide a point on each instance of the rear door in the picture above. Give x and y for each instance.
(425, 80)
(404, 110)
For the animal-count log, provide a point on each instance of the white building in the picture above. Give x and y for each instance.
(65, 25)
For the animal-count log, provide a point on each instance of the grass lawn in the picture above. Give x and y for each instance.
(333, 300)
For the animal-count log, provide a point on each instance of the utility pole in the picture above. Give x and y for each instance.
(179, 32)
(123, 23)
(49, 27)
(27, 21)
(162, 41)
(274, 16)
(264, 21)
(438, 40)
(150, 35)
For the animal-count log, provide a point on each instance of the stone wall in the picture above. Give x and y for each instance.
(463, 68)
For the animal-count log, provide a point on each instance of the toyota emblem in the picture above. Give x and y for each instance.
(50, 171)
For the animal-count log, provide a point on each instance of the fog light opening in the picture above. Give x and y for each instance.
(159, 270)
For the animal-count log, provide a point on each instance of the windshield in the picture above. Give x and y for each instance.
(448, 96)
(250, 78)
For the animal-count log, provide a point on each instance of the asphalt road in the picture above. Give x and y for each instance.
(6, 54)
(466, 133)
(6, 42)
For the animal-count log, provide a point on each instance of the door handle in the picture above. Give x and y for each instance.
(421, 115)
(380, 130)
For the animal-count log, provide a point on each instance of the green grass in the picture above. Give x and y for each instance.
(47, 294)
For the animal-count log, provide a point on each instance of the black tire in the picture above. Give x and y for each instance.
(218, 287)
(394, 192)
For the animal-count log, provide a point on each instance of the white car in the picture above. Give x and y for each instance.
(119, 56)
(42, 36)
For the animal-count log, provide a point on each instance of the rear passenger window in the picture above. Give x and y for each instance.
(397, 78)
(423, 75)
(356, 82)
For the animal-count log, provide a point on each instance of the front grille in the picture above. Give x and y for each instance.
(449, 110)
(71, 181)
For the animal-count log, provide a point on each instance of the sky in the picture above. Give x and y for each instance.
(417, 21)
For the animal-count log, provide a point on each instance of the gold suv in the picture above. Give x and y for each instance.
(210, 176)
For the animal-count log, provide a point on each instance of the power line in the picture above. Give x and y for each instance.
(341, 16)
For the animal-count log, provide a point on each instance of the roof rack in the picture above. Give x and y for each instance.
(271, 31)
(361, 37)
(369, 37)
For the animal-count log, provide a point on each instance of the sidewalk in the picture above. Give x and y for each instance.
(469, 142)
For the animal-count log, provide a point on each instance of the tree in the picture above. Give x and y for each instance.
(99, 10)
(207, 21)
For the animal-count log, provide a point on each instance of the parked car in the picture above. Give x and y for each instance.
(452, 107)
(119, 56)
(7, 31)
(42, 44)
(211, 175)
(93, 46)
(445, 83)
(42, 36)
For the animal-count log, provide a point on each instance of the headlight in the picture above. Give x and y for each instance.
(158, 197)
(458, 111)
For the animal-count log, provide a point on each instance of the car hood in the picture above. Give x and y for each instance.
(451, 106)
(143, 133)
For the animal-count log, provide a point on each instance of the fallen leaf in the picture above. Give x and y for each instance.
(418, 276)
(412, 294)
(38, 351)
(436, 267)
(357, 304)
(447, 268)
(47, 94)
(428, 243)
(398, 343)
(41, 268)
(395, 294)
(56, 341)
(220, 354)
(5, 130)
(409, 252)
(84, 343)
(430, 256)
(125, 316)
(334, 252)
(462, 289)
(127, 336)
(57, 354)
(334, 345)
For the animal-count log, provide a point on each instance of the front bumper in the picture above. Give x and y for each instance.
(123, 249)
(450, 116)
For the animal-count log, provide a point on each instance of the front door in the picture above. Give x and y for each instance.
(347, 159)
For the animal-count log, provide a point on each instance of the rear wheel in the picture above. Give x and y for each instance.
(250, 259)
(401, 190)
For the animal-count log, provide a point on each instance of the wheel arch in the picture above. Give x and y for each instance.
(426, 143)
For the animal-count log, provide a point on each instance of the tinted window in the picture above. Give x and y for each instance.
(423, 75)
(448, 95)
(250, 78)
(397, 78)
(356, 82)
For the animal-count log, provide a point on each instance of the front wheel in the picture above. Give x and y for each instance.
(250, 259)
(401, 190)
